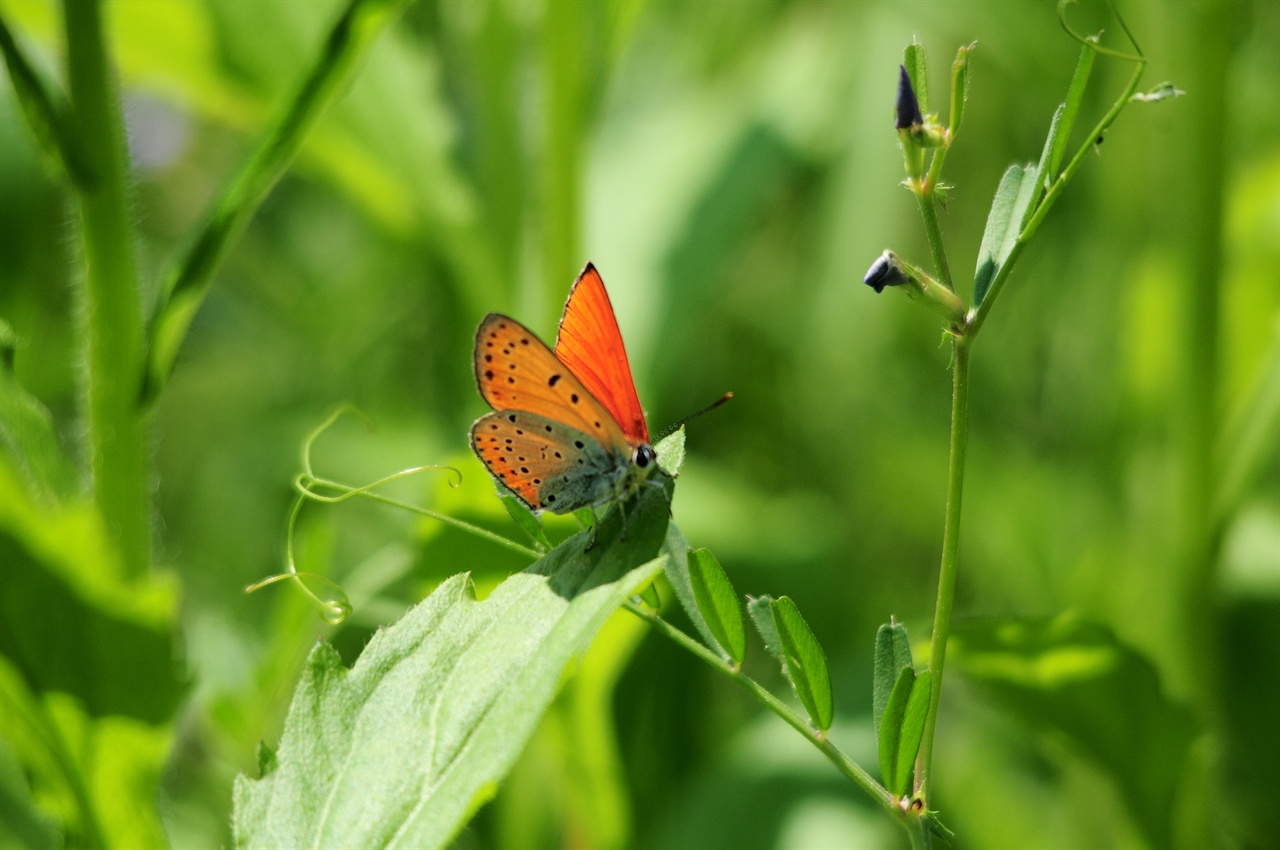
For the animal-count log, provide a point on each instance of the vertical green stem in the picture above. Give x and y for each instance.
(111, 302)
(950, 548)
(929, 210)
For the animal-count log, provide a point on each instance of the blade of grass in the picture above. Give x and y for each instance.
(186, 286)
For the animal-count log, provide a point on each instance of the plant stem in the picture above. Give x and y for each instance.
(929, 211)
(950, 550)
(842, 762)
(111, 304)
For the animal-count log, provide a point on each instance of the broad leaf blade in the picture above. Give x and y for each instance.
(893, 652)
(805, 660)
(406, 745)
(1072, 677)
(719, 603)
(677, 552)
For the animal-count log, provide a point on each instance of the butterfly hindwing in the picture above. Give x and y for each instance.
(546, 463)
(590, 344)
(516, 371)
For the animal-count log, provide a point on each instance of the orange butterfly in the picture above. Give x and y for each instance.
(567, 430)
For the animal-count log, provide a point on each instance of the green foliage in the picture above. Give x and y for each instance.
(789, 639)
(1018, 189)
(718, 603)
(405, 746)
(1072, 678)
(892, 654)
(901, 729)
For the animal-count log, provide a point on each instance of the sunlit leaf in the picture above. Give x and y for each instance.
(788, 637)
(902, 728)
(406, 745)
(718, 602)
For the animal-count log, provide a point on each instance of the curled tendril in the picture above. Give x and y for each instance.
(309, 486)
(1092, 41)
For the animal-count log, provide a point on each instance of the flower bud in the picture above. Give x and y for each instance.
(908, 108)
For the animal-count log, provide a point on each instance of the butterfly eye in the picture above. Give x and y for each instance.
(643, 456)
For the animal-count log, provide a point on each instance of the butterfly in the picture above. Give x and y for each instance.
(567, 430)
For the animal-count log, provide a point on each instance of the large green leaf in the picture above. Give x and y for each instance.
(72, 621)
(405, 746)
(1072, 677)
(718, 602)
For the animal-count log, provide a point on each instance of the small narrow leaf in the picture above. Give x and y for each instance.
(805, 661)
(677, 552)
(912, 731)
(1070, 109)
(891, 729)
(526, 520)
(893, 652)
(959, 87)
(1004, 222)
(719, 603)
(913, 61)
(1045, 173)
(761, 611)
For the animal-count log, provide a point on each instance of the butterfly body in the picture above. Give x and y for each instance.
(567, 431)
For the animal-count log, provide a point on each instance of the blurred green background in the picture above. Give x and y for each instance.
(731, 169)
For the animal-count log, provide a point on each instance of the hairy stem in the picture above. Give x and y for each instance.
(111, 302)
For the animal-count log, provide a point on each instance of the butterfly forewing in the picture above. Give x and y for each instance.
(516, 371)
(590, 344)
(547, 464)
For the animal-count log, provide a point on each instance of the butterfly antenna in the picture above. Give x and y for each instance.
(692, 416)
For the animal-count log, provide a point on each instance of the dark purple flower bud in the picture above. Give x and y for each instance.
(885, 271)
(908, 107)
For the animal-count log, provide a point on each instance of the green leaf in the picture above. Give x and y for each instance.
(959, 87)
(718, 603)
(677, 552)
(1072, 677)
(891, 728)
(27, 437)
(526, 520)
(670, 450)
(902, 729)
(913, 60)
(789, 638)
(1004, 223)
(405, 746)
(892, 653)
(761, 611)
(912, 731)
(74, 621)
(1065, 119)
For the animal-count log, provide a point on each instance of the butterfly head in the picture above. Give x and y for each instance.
(644, 458)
